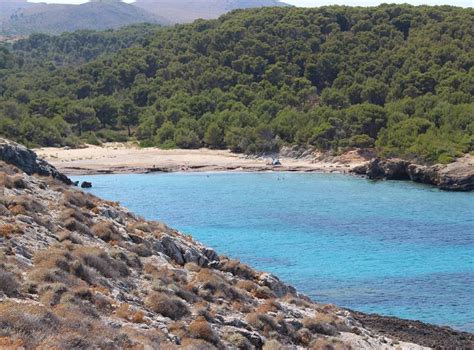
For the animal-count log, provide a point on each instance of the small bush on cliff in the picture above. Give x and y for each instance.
(167, 306)
(201, 329)
(237, 268)
(105, 231)
(8, 283)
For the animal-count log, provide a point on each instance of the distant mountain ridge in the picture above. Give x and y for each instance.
(58, 18)
(184, 11)
(20, 17)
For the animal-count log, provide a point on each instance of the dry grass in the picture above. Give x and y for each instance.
(167, 306)
(201, 329)
(237, 268)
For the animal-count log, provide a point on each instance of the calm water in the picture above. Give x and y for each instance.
(394, 248)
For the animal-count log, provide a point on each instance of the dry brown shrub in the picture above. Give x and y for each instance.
(272, 344)
(127, 313)
(238, 340)
(264, 293)
(68, 236)
(247, 285)
(328, 344)
(8, 230)
(106, 231)
(74, 225)
(79, 199)
(167, 306)
(321, 323)
(100, 260)
(270, 305)
(196, 344)
(304, 336)
(201, 329)
(30, 323)
(18, 209)
(8, 283)
(193, 267)
(7, 343)
(262, 322)
(237, 268)
(30, 204)
(74, 213)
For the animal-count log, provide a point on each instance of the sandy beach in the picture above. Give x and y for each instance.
(115, 158)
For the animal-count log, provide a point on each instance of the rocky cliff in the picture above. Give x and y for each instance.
(456, 176)
(78, 272)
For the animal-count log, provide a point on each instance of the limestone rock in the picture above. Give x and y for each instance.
(27, 160)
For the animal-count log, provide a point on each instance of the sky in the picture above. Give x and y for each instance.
(313, 3)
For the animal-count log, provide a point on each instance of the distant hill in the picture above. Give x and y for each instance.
(184, 11)
(26, 18)
(9, 7)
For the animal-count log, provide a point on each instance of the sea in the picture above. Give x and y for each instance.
(388, 247)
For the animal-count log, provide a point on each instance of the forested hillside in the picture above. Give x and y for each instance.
(396, 77)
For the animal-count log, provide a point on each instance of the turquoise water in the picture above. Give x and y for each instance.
(393, 248)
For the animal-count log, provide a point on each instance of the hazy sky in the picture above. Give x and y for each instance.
(311, 3)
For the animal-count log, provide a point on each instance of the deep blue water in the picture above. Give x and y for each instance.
(393, 248)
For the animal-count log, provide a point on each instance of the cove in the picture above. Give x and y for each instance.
(392, 248)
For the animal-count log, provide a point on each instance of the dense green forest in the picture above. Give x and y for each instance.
(395, 77)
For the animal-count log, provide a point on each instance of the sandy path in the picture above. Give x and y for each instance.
(126, 158)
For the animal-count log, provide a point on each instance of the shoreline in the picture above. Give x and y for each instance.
(115, 158)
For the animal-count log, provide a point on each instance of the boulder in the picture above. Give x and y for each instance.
(27, 160)
(86, 184)
(390, 169)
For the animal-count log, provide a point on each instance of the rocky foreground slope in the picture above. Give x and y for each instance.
(78, 272)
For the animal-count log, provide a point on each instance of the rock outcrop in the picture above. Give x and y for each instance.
(456, 176)
(27, 160)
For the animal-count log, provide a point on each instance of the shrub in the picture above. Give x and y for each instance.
(262, 322)
(239, 341)
(124, 311)
(167, 306)
(328, 344)
(8, 283)
(30, 323)
(78, 199)
(105, 265)
(201, 329)
(74, 225)
(15, 181)
(247, 285)
(321, 323)
(105, 231)
(237, 268)
(9, 229)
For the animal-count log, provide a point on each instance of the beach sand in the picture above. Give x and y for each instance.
(116, 158)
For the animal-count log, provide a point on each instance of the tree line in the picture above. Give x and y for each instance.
(395, 77)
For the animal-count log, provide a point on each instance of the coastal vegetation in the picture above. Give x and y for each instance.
(395, 77)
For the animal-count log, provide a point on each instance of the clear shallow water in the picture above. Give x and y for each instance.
(393, 248)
